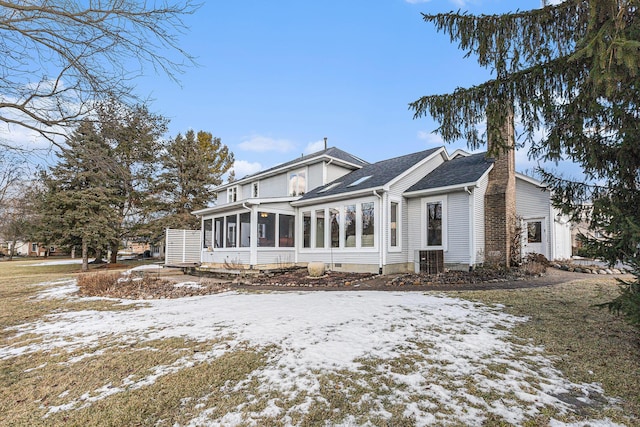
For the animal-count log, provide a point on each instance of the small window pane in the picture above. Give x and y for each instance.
(306, 229)
(208, 233)
(232, 222)
(266, 229)
(287, 231)
(320, 229)
(534, 232)
(350, 226)
(368, 221)
(394, 224)
(297, 183)
(218, 232)
(335, 227)
(245, 229)
(434, 224)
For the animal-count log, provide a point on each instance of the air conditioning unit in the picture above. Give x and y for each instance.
(430, 262)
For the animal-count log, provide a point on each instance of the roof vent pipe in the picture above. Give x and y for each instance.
(325, 143)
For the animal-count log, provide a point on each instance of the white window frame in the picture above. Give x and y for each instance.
(232, 194)
(398, 247)
(425, 229)
(306, 180)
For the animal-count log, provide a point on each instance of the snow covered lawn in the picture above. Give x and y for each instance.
(316, 358)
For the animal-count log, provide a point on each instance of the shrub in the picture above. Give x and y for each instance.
(534, 264)
(98, 283)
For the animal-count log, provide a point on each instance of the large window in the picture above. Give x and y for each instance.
(208, 233)
(320, 228)
(350, 226)
(434, 223)
(232, 222)
(218, 232)
(297, 183)
(306, 229)
(393, 226)
(266, 229)
(245, 229)
(368, 220)
(287, 231)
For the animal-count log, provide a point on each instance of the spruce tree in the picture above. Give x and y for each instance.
(80, 195)
(570, 70)
(191, 166)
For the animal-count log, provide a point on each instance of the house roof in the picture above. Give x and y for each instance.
(330, 153)
(459, 170)
(370, 176)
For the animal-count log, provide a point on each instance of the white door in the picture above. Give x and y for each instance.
(534, 237)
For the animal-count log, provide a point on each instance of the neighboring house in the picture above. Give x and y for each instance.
(32, 249)
(423, 211)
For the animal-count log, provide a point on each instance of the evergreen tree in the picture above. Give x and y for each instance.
(133, 136)
(571, 70)
(79, 197)
(192, 165)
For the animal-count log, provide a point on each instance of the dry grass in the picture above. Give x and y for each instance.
(590, 345)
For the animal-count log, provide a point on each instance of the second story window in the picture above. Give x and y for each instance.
(297, 183)
(232, 194)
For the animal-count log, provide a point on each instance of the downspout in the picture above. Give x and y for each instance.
(472, 229)
(382, 253)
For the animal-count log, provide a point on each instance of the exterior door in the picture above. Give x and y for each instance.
(535, 237)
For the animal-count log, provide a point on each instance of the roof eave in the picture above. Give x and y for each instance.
(437, 190)
(339, 196)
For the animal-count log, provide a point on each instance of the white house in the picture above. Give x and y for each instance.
(422, 211)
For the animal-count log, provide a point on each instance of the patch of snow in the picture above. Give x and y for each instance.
(58, 262)
(193, 285)
(450, 341)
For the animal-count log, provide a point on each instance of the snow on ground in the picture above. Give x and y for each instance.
(57, 262)
(452, 342)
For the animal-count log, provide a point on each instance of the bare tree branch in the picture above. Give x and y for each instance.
(58, 58)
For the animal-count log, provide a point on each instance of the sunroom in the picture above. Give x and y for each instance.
(244, 235)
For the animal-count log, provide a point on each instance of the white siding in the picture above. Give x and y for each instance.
(532, 202)
(275, 186)
(182, 246)
(276, 256)
(334, 172)
(478, 194)
(458, 237)
(414, 217)
(409, 218)
(315, 176)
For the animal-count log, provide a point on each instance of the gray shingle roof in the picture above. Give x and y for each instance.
(330, 152)
(460, 170)
(380, 173)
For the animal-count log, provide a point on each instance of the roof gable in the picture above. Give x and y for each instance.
(376, 174)
(460, 170)
(331, 153)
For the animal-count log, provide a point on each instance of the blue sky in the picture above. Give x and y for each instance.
(276, 77)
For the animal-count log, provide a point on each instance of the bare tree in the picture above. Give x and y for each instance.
(11, 170)
(58, 57)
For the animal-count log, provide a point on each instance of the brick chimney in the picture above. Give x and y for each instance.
(500, 198)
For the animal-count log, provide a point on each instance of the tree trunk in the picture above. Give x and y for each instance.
(12, 250)
(114, 252)
(98, 259)
(85, 255)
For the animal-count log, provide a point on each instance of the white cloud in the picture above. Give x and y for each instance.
(430, 138)
(243, 168)
(263, 144)
(314, 147)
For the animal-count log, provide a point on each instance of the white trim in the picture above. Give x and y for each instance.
(336, 197)
(291, 167)
(423, 222)
(439, 151)
(398, 247)
(531, 180)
